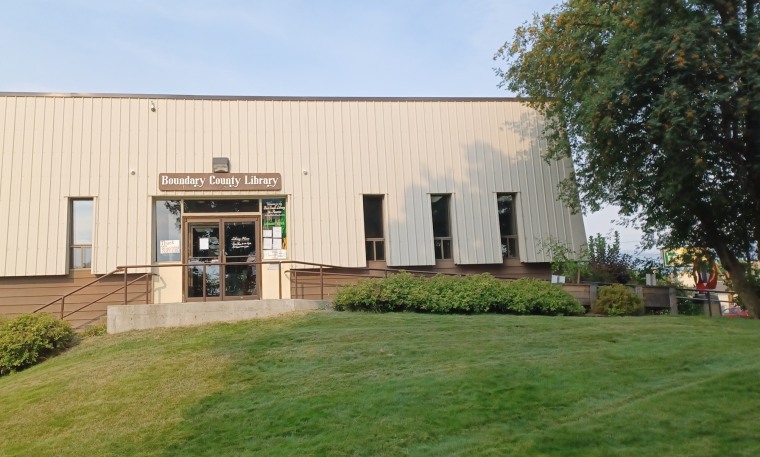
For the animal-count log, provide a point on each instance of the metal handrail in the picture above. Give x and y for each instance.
(139, 278)
(322, 273)
(126, 268)
(313, 269)
(709, 300)
(63, 297)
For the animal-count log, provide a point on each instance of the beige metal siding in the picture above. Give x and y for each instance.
(329, 153)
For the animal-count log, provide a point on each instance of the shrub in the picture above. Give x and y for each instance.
(533, 296)
(362, 296)
(451, 294)
(403, 292)
(31, 338)
(487, 293)
(461, 294)
(95, 330)
(618, 300)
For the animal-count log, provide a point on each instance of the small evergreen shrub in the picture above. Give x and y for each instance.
(618, 300)
(31, 338)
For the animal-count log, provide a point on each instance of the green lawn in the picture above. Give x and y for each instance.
(397, 384)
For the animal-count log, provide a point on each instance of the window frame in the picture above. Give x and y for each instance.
(511, 252)
(78, 252)
(178, 230)
(442, 245)
(374, 244)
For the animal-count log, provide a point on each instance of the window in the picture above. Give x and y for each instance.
(507, 226)
(441, 226)
(221, 206)
(168, 233)
(373, 227)
(81, 233)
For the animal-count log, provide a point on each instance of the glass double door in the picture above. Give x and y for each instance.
(213, 243)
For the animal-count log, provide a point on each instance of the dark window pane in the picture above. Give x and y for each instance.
(438, 249)
(509, 247)
(368, 247)
(506, 206)
(221, 206)
(446, 249)
(379, 250)
(195, 283)
(205, 236)
(373, 216)
(240, 241)
(441, 220)
(239, 280)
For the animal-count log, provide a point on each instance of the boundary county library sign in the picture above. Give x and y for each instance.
(219, 181)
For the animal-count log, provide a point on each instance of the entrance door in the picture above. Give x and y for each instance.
(215, 241)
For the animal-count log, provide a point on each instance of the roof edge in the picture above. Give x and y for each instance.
(260, 98)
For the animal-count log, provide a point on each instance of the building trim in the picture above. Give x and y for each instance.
(262, 98)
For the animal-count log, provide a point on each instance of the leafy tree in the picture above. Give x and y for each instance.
(658, 104)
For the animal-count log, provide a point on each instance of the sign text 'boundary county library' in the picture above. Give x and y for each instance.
(219, 181)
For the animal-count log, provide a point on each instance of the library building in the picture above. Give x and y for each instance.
(173, 199)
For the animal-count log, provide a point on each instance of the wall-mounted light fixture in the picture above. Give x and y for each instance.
(220, 165)
(152, 106)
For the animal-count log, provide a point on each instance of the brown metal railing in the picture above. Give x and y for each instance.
(320, 270)
(204, 267)
(62, 314)
(707, 298)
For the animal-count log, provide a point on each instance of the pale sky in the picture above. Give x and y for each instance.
(402, 48)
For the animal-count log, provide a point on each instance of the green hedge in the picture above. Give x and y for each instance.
(456, 294)
(618, 300)
(31, 338)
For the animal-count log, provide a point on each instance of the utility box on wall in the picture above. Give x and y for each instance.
(220, 165)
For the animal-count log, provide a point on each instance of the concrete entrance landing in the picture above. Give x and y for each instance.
(123, 318)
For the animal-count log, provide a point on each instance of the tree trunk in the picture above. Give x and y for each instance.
(739, 280)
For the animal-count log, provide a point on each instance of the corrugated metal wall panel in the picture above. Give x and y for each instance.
(58, 249)
(57, 148)
(8, 117)
(16, 143)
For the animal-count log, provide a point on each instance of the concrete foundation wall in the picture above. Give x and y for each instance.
(142, 317)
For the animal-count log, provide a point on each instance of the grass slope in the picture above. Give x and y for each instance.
(397, 384)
